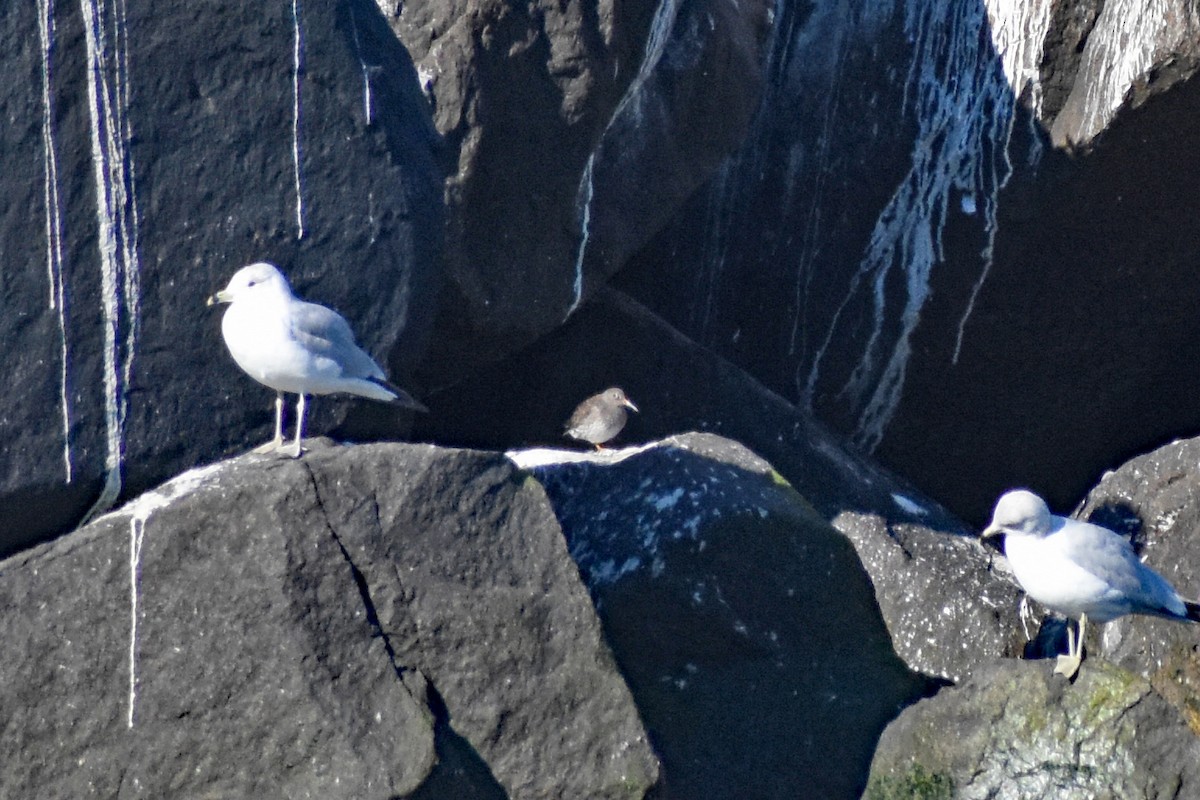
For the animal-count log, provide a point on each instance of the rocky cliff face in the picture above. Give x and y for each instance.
(573, 130)
(957, 233)
(961, 233)
(869, 207)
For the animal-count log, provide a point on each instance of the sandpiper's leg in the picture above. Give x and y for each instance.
(277, 442)
(1068, 665)
(300, 404)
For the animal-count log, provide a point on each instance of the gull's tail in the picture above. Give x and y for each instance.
(1193, 610)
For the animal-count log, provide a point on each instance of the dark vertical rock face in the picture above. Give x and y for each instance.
(899, 246)
(573, 130)
(156, 153)
(368, 622)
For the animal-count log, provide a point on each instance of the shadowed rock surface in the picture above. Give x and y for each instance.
(316, 628)
(944, 605)
(573, 130)
(1013, 730)
(899, 245)
(716, 581)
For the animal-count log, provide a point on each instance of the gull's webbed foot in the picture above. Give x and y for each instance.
(268, 447)
(1068, 666)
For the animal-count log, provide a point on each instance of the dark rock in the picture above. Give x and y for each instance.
(1153, 499)
(613, 340)
(934, 583)
(574, 130)
(946, 604)
(159, 179)
(315, 628)
(744, 624)
(1013, 730)
(899, 247)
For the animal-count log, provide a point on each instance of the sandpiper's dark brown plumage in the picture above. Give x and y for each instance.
(600, 417)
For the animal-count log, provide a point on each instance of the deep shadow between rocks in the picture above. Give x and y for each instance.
(460, 772)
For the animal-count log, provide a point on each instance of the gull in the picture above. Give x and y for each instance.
(292, 346)
(600, 417)
(1079, 570)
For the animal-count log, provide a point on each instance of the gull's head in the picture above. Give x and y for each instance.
(257, 280)
(1019, 512)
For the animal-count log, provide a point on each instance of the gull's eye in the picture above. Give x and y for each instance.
(251, 283)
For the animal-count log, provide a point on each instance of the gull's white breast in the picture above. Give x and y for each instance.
(260, 340)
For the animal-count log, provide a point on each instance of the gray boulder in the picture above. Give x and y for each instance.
(366, 622)
(1014, 731)
(744, 624)
(1153, 499)
(949, 603)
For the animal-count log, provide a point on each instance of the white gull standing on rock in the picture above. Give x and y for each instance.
(1080, 570)
(293, 346)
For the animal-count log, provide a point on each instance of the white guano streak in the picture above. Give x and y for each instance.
(1019, 29)
(54, 245)
(367, 70)
(964, 109)
(656, 42)
(139, 512)
(297, 64)
(116, 221)
(1129, 39)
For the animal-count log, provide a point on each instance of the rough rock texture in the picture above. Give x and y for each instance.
(153, 151)
(1132, 51)
(899, 246)
(934, 583)
(613, 340)
(327, 627)
(1014, 731)
(1153, 499)
(744, 624)
(573, 131)
(946, 604)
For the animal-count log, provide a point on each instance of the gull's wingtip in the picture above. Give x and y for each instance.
(399, 396)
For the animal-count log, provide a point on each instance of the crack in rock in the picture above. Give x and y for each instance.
(360, 580)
